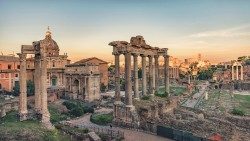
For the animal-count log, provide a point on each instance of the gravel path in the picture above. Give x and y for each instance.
(130, 135)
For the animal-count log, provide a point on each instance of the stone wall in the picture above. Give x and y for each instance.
(7, 106)
(237, 86)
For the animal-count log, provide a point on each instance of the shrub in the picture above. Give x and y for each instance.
(238, 112)
(101, 119)
(146, 97)
(161, 95)
(69, 105)
(77, 112)
(88, 110)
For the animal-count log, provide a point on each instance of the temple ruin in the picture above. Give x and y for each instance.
(41, 50)
(137, 47)
(236, 68)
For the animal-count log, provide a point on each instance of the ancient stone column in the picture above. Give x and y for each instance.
(128, 86)
(153, 77)
(70, 83)
(151, 91)
(144, 78)
(117, 77)
(37, 83)
(23, 88)
(232, 72)
(166, 73)
(136, 85)
(43, 78)
(156, 73)
(241, 73)
(237, 72)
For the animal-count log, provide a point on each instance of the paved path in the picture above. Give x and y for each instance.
(192, 101)
(130, 135)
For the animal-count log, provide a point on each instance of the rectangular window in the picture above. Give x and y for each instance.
(18, 66)
(16, 75)
(9, 67)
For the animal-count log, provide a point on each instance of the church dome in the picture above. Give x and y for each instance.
(52, 48)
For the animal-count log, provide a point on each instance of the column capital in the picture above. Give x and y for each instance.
(135, 54)
(143, 55)
(116, 53)
(166, 56)
(22, 56)
(156, 56)
(150, 56)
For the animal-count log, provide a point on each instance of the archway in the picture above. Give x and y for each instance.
(53, 80)
(75, 88)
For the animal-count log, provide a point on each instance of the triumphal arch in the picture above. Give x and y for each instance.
(41, 50)
(137, 47)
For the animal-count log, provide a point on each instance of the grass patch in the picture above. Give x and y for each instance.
(13, 129)
(56, 116)
(244, 103)
(101, 119)
(238, 112)
(174, 90)
(161, 95)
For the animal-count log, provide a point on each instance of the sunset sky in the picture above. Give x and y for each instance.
(218, 29)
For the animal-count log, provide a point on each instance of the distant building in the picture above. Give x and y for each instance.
(56, 67)
(102, 65)
(9, 72)
(83, 80)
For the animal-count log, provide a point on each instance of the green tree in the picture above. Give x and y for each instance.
(206, 74)
(103, 87)
(140, 73)
(30, 88)
(247, 62)
(242, 58)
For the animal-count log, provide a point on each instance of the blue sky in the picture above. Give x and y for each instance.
(219, 29)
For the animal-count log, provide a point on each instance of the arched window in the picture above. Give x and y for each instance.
(53, 64)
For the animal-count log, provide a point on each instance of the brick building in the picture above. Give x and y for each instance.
(9, 72)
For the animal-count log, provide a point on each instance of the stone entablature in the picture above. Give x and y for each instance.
(82, 69)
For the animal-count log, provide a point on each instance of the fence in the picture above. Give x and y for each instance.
(177, 135)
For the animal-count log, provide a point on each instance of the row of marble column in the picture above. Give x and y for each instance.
(174, 73)
(237, 72)
(40, 79)
(153, 76)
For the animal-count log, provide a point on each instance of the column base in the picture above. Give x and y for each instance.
(130, 107)
(46, 121)
(137, 98)
(23, 116)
